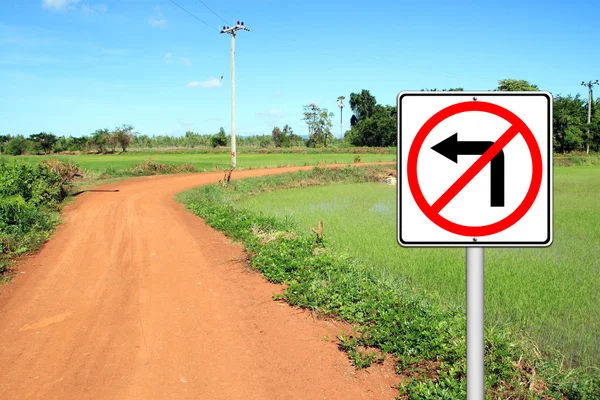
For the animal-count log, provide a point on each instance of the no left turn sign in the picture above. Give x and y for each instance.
(475, 169)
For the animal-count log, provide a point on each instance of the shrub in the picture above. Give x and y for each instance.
(16, 146)
(16, 212)
(36, 184)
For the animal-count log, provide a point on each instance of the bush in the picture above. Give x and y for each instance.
(36, 184)
(30, 195)
(218, 140)
(16, 146)
(15, 211)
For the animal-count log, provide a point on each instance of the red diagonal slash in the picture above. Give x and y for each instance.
(475, 169)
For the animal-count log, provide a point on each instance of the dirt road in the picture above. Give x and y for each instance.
(134, 298)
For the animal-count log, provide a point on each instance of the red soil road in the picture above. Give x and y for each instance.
(135, 298)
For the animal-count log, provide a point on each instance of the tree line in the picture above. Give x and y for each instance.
(124, 137)
(373, 124)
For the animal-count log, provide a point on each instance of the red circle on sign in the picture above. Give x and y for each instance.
(536, 175)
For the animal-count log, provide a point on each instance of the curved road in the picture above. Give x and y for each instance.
(135, 298)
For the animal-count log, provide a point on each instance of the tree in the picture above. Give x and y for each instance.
(568, 119)
(16, 146)
(100, 139)
(3, 140)
(45, 140)
(319, 125)
(112, 141)
(286, 134)
(362, 104)
(122, 136)
(219, 139)
(379, 130)
(281, 138)
(458, 89)
(372, 124)
(276, 134)
(514, 85)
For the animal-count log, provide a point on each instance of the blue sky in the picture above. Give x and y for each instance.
(73, 66)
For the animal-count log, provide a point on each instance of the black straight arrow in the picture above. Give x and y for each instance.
(451, 148)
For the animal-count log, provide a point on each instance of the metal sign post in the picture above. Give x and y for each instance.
(475, 319)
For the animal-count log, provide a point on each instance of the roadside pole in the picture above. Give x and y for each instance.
(233, 153)
(231, 30)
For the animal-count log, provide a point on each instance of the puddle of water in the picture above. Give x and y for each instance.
(381, 208)
(328, 206)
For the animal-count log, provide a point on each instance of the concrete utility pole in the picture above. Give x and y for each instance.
(231, 30)
(340, 101)
(589, 85)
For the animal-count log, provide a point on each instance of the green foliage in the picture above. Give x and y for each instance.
(373, 125)
(29, 198)
(378, 130)
(100, 139)
(427, 340)
(36, 184)
(362, 104)
(319, 125)
(219, 139)
(459, 89)
(282, 138)
(122, 136)
(17, 145)
(70, 144)
(3, 140)
(45, 140)
(514, 85)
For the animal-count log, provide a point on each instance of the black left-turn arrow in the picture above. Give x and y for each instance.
(451, 148)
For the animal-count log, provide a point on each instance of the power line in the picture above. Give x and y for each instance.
(210, 26)
(209, 9)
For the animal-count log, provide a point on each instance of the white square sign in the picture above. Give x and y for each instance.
(475, 169)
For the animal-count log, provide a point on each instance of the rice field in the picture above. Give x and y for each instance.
(550, 295)
(209, 161)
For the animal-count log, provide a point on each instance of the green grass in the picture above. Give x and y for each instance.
(210, 161)
(426, 338)
(551, 294)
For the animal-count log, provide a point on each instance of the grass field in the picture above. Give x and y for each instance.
(551, 295)
(208, 161)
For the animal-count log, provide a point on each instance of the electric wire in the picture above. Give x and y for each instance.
(209, 9)
(210, 26)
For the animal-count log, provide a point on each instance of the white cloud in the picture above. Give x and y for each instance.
(94, 8)
(185, 60)
(158, 19)
(208, 84)
(156, 22)
(58, 4)
(168, 58)
(87, 7)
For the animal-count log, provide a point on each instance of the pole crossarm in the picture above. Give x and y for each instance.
(233, 29)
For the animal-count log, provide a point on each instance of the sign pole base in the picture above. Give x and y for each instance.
(475, 319)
